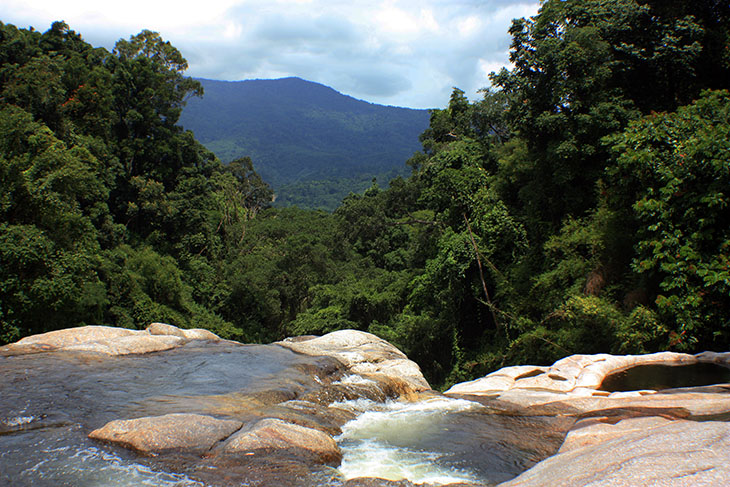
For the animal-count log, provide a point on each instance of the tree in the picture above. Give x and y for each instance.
(582, 71)
(150, 91)
(673, 169)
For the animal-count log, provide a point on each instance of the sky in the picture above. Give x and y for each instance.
(409, 53)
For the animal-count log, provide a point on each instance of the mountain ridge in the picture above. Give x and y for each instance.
(297, 131)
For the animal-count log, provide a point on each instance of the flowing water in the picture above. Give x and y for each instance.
(441, 441)
(49, 402)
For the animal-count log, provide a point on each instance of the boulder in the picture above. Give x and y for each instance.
(109, 340)
(365, 354)
(61, 339)
(275, 434)
(155, 434)
(189, 334)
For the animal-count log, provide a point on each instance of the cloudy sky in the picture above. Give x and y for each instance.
(394, 52)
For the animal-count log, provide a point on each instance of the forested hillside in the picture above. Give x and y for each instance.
(580, 206)
(311, 143)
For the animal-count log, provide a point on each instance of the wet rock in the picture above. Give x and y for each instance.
(304, 413)
(109, 340)
(364, 354)
(156, 434)
(645, 451)
(275, 434)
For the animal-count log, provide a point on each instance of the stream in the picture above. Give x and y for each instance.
(49, 402)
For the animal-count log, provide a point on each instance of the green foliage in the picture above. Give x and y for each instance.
(560, 214)
(677, 171)
(73, 218)
(642, 332)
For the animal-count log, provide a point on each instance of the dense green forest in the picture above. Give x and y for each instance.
(312, 144)
(580, 206)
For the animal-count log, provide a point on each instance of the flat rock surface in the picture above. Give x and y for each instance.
(155, 434)
(639, 452)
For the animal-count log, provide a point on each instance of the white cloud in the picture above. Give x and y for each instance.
(397, 52)
(469, 25)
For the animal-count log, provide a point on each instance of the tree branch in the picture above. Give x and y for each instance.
(481, 272)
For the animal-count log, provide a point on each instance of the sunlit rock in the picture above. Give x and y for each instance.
(627, 437)
(61, 339)
(638, 452)
(189, 334)
(363, 353)
(500, 380)
(109, 340)
(376, 482)
(156, 434)
(126, 345)
(592, 431)
(276, 434)
(576, 375)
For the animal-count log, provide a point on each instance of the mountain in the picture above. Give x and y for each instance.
(310, 142)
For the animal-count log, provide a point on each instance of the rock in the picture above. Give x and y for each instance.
(109, 340)
(276, 434)
(638, 452)
(501, 380)
(126, 345)
(364, 354)
(722, 358)
(579, 375)
(304, 413)
(591, 431)
(642, 437)
(156, 434)
(191, 334)
(165, 329)
(61, 339)
(201, 334)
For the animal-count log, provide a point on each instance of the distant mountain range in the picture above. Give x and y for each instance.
(311, 143)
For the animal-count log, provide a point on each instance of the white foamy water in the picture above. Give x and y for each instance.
(393, 443)
(92, 466)
(17, 421)
(359, 405)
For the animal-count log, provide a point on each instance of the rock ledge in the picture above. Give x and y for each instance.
(644, 437)
(109, 340)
